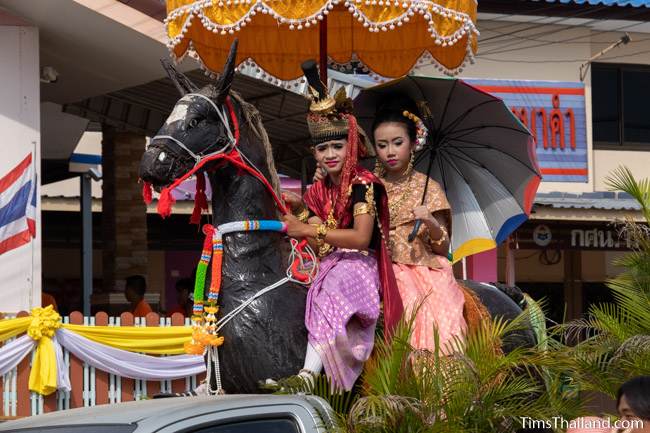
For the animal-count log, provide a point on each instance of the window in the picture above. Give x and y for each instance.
(620, 95)
(279, 425)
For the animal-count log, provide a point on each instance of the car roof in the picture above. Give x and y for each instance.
(149, 410)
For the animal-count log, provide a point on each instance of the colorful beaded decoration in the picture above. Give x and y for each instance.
(204, 315)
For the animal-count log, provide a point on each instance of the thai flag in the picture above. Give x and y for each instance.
(18, 206)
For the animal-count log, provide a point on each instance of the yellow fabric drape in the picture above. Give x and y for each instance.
(12, 327)
(42, 376)
(43, 324)
(154, 340)
(280, 51)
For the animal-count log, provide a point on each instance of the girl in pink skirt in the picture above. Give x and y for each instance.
(424, 275)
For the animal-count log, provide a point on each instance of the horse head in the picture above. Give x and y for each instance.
(199, 125)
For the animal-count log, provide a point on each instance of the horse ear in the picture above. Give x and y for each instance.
(180, 80)
(225, 80)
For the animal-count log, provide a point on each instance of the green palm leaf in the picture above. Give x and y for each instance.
(622, 179)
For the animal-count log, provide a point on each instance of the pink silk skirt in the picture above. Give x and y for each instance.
(342, 312)
(439, 298)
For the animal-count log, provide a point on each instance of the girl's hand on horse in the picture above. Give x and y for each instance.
(293, 200)
(295, 228)
(422, 213)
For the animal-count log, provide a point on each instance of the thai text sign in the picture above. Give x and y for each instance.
(554, 112)
(597, 236)
(601, 239)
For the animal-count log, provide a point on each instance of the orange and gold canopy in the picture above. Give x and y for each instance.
(388, 37)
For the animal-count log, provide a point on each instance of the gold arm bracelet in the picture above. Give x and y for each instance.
(362, 209)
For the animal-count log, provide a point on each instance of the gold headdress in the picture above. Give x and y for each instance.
(328, 116)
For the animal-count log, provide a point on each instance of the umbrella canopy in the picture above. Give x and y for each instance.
(477, 150)
(388, 37)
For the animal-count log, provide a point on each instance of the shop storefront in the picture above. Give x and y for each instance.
(568, 259)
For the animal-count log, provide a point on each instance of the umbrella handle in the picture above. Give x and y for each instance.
(416, 229)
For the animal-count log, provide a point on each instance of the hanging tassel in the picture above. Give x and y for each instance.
(147, 193)
(200, 200)
(165, 203)
(196, 214)
(202, 268)
(200, 196)
(217, 261)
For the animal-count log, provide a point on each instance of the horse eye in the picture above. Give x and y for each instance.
(193, 122)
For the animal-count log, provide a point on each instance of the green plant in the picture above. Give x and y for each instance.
(476, 388)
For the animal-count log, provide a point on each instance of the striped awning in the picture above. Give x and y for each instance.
(633, 3)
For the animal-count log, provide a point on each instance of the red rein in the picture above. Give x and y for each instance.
(166, 200)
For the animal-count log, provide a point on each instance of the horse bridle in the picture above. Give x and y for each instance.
(229, 152)
(198, 157)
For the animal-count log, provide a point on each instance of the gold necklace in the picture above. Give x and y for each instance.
(331, 223)
(395, 204)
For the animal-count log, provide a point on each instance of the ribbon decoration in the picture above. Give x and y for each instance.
(11, 327)
(43, 375)
(129, 364)
(153, 340)
(13, 352)
(204, 321)
(104, 347)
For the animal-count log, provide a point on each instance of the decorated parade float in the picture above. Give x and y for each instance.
(248, 318)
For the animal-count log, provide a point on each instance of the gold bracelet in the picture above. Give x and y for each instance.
(303, 215)
(323, 248)
(442, 238)
(321, 232)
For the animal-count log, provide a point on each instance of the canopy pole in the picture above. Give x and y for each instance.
(322, 50)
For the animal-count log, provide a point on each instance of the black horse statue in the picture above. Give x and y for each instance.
(268, 339)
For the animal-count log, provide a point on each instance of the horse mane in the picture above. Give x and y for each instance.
(253, 118)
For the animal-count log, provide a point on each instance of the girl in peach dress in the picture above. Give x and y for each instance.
(424, 275)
